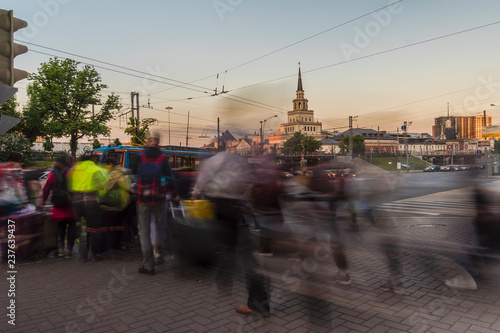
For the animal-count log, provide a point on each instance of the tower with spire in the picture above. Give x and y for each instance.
(301, 119)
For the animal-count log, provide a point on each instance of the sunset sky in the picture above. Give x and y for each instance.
(383, 64)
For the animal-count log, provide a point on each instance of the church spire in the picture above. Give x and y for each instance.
(299, 84)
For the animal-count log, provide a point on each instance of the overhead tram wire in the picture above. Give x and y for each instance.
(121, 72)
(151, 79)
(113, 65)
(292, 75)
(323, 67)
(198, 118)
(373, 54)
(298, 42)
(429, 98)
(205, 90)
(376, 54)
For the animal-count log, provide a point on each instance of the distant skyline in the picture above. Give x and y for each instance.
(404, 62)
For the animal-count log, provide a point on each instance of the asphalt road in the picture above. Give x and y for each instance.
(414, 184)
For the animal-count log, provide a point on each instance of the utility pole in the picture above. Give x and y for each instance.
(397, 138)
(132, 108)
(187, 132)
(168, 108)
(406, 145)
(136, 107)
(262, 123)
(351, 141)
(407, 150)
(261, 138)
(378, 138)
(218, 134)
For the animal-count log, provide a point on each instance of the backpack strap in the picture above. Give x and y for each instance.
(59, 177)
(145, 159)
(160, 159)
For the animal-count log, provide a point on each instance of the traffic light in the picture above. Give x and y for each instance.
(9, 50)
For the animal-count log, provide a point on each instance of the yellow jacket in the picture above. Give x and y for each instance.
(86, 177)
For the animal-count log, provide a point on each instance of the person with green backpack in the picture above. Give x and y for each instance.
(113, 203)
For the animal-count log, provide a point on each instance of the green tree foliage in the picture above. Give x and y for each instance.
(138, 132)
(496, 147)
(96, 144)
(47, 144)
(310, 144)
(117, 142)
(358, 144)
(60, 98)
(15, 142)
(299, 143)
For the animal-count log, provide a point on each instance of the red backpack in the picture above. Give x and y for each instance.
(151, 186)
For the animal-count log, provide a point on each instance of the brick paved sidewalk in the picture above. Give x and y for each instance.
(110, 296)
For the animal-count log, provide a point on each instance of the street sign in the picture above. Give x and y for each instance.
(403, 128)
(479, 152)
(491, 131)
(485, 143)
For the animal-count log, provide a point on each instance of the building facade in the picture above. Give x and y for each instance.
(445, 128)
(375, 141)
(460, 127)
(301, 119)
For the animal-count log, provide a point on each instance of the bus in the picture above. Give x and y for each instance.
(182, 159)
(185, 161)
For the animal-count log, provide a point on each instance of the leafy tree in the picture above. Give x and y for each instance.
(310, 144)
(299, 143)
(358, 144)
(96, 144)
(138, 133)
(496, 147)
(117, 142)
(59, 98)
(47, 144)
(15, 142)
(294, 144)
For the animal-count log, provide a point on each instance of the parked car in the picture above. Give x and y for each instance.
(340, 173)
(432, 168)
(448, 168)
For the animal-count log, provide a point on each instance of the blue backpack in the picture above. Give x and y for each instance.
(150, 185)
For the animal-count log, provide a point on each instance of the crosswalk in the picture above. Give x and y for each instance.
(430, 207)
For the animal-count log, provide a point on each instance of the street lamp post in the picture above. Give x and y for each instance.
(168, 108)
(263, 122)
